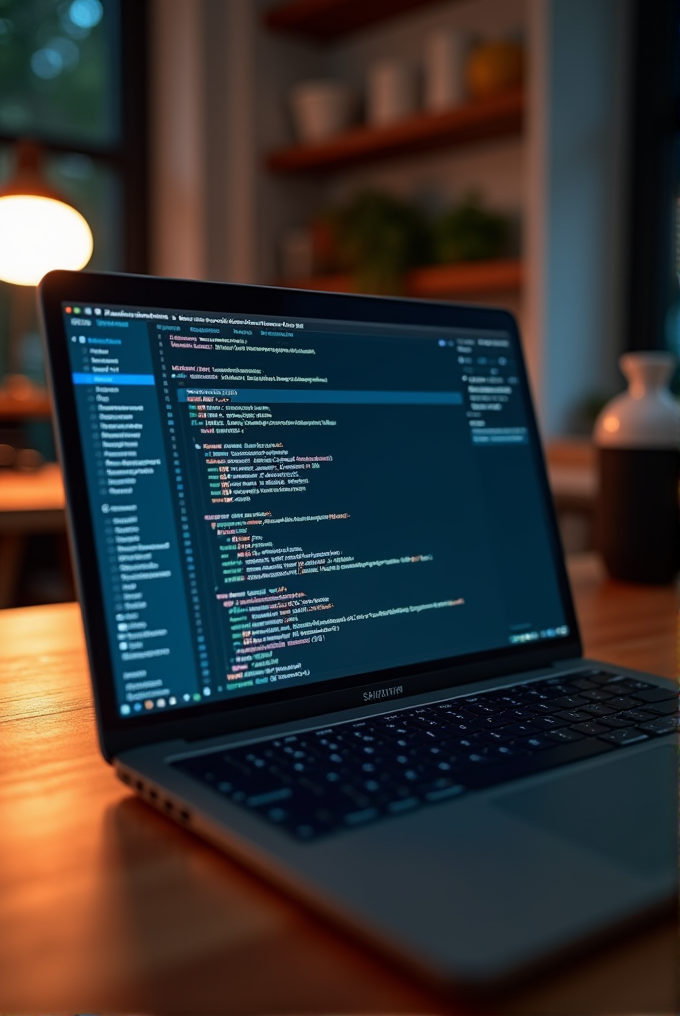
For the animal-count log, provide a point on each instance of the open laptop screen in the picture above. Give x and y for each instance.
(285, 502)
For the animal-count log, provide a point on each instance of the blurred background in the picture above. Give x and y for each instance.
(516, 152)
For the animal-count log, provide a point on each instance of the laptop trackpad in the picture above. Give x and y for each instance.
(627, 810)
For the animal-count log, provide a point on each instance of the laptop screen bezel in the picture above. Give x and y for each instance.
(118, 733)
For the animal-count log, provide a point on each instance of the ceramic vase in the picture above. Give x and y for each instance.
(637, 434)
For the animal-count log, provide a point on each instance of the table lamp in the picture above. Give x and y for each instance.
(39, 230)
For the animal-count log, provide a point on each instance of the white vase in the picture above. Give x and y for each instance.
(637, 521)
(647, 415)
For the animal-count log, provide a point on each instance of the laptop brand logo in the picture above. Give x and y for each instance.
(381, 693)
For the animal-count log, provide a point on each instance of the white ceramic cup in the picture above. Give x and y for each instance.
(321, 109)
(392, 92)
(444, 70)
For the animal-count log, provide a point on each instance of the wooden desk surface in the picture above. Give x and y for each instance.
(32, 501)
(107, 907)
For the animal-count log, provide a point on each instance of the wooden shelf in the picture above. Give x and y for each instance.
(464, 279)
(36, 406)
(494, 117)
(470, 277)
(324, 20)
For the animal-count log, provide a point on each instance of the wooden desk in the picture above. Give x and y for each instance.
(107, 907)
(39, 495)
(29, 503)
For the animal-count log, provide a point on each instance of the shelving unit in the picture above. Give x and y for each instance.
(324, 20)
(495, 117)
(417, 155)
(448, 281)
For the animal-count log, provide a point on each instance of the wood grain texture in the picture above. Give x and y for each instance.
(634, 626)
(107, 907)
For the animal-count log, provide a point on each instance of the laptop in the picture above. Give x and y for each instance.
(329, 624)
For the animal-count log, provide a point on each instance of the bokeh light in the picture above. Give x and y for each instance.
(85, 13)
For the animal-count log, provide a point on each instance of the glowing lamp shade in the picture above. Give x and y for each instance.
(38, 234)
(38, 230)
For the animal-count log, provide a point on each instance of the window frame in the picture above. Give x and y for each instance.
(654, 167)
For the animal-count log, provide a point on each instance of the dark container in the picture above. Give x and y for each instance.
(637, 519)
(637, 434)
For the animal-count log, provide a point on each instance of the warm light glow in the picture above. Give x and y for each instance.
(40, 234)
(611, 424)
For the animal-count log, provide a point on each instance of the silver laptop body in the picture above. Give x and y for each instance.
(310, 526)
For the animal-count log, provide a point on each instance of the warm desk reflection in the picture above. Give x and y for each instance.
(108, 907)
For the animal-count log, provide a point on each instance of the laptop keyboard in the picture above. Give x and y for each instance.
(357, 772)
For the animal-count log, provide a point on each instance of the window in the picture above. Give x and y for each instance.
(653, 237)
(72, 76)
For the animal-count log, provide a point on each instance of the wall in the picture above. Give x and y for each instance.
(577, 202)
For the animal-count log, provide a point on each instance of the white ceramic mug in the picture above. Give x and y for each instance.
(392, 92)
(321, 109)
(444, 70)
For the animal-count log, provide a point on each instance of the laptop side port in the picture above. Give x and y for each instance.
(163, 804)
